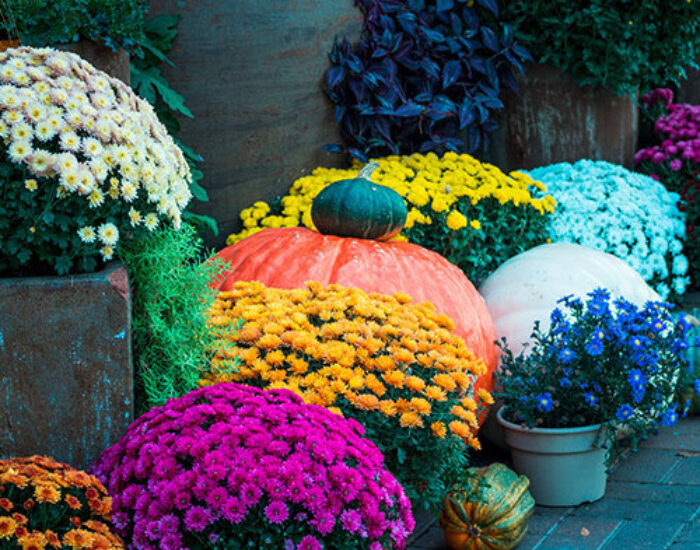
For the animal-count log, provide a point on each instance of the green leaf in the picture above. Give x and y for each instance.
(146, 43)
(400, 455)
(198, 192)
(202, 223)
(162, 25)
(151, 83)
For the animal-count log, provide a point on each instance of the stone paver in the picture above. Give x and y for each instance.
(652, 502)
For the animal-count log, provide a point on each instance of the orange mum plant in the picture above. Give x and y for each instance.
(47, 504)
(394, 366)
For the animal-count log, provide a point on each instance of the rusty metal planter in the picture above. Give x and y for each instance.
(102, 57)
(689, 91)
(555, 120)
(65, 364)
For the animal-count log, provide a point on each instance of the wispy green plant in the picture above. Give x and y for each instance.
(172, 342)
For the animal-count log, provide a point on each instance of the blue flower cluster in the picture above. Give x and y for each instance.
(603, 360)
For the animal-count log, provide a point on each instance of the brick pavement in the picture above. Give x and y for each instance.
(652, 502)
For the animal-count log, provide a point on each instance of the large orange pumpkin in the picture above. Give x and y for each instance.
(287, 257)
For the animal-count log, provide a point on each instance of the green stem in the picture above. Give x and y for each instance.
(367, 170)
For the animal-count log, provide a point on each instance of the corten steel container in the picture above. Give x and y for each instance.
(65, 365)
(552, 119)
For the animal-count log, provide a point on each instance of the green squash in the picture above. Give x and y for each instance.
(359, 208)
(493, 514)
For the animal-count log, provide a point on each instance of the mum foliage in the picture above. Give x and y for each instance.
(675, 161)
(603, 361)
(83, 163)
(608, 208)
(232, 466)
(468, 211)
(47, 504)
(425, 76)
(615, 44)
(394, 366)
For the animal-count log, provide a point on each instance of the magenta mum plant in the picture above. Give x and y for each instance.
(676, 163)
(231, 466)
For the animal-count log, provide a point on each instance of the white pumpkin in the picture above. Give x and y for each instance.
(527, 287)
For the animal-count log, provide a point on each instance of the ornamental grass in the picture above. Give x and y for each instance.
(47, 504)
(232, 466)
(468, 211)
(394, 366)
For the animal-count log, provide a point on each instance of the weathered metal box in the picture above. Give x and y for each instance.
(66, 376)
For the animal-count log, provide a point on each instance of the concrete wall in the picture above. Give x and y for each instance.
(252, 71)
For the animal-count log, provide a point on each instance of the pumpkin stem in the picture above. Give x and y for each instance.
(367, 170)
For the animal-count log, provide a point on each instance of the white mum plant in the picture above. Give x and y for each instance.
(609, 208)
(84, 163)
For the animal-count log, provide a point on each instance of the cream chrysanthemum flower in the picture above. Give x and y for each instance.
(66, 162)
(45, 131)
(92, 147)
(31, 185)
(107, 252)
(108, 233)
(20, 150)
(22, 131)
(129, 191)
(40, 162)
(87, 234)
(96, 198)
(70, 180)
(151, 221)
(70, 141)
(134, 217)
(36, 112)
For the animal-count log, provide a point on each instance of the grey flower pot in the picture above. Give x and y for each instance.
(564, 465)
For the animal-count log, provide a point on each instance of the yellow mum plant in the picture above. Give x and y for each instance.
(47, 504)
(394, 366)
(468, 211)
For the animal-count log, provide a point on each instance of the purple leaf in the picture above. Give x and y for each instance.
(522, 53)
(491, 5)
(430, 67)
(354, 64)
(370, 79)
(507, 36)
(409, 110)
(357, 88)
(335, 76)
(334, 148)
(490, 39)
(451, 72)
(466, 113)
(456, 24)
(432, 35)
(359, 155)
